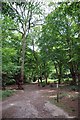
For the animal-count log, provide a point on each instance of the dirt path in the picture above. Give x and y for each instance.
(30, 103)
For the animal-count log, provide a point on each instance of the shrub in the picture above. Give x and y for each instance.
(43, 84)
(74, 88)
(7, 93)
(10, 82)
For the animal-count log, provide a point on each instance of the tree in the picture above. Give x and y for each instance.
(58, 38)
(23, 14)
(10, 49)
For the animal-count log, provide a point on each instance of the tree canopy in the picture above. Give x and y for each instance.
(36, 48)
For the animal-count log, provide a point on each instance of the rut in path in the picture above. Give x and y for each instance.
(30, 103)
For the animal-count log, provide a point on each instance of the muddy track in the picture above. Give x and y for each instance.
(30, 103)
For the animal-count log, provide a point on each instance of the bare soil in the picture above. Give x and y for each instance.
(37, 102)
(68, 100)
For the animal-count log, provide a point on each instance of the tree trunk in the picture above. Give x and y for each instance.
(40, 78)
(60, 73)
(57, 73)
(24, 37)
(20, 86)
(73, 73)
(77, 75)
(46, 80)
(59, 79)
(79, 79)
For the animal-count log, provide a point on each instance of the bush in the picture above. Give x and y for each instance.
(7, 93)
(74, 88)
(10, 82)
(27, 80)
(43, 84)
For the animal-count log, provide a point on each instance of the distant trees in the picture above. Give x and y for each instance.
(57, 41)
(60, 39)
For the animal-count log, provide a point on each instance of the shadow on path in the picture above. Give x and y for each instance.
(30, 104)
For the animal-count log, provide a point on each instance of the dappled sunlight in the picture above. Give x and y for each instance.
(51, 91)
(72, 95)
(69, 96)
(49, 96)
(76, 92)
(42, 90)
(53, 96)
(22, 91)
(40, 58)
(12, 104)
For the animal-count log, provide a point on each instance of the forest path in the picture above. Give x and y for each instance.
(31, 103)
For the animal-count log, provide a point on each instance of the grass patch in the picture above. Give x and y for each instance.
(68, 107)
(7, 93)
(69, 87)
(60, 104)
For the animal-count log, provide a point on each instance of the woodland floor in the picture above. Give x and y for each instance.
(37, 102)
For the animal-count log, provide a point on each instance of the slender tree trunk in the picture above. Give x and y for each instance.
(40, 78)
(73, 74)
(60, 72)
(40, 72)
(77, 73)
(45, 73)
(59, 80)
(57, 73)
(46, 79)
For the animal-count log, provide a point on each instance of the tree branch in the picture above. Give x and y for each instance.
(14, 29)
(33, 25)
(14, 9)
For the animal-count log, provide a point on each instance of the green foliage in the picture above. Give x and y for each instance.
(57, 41)
(7, 93)
(10, 81)
(74, 88)
(43, 84)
